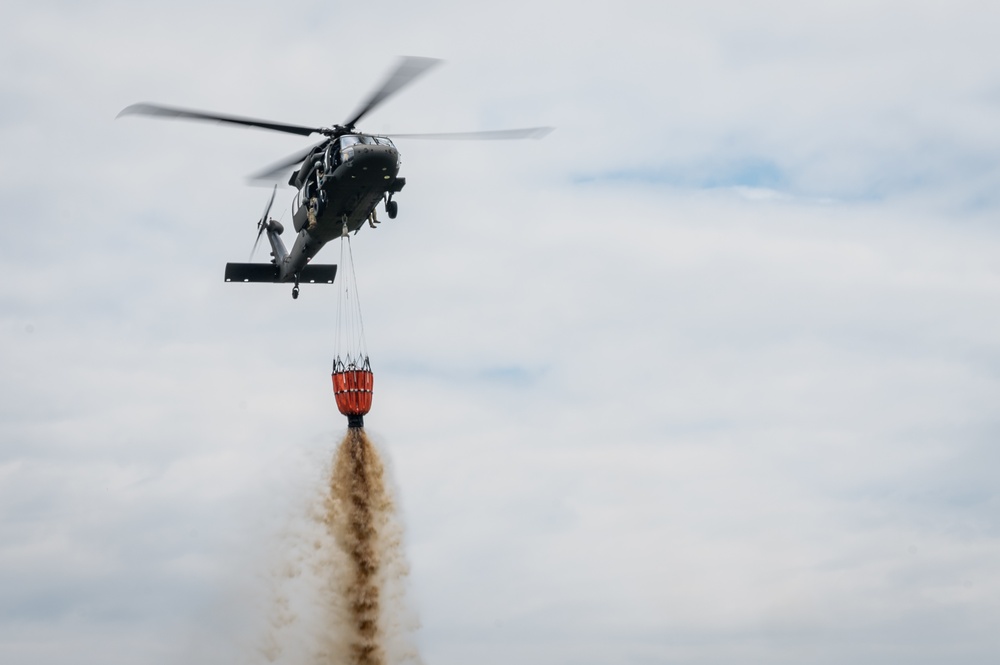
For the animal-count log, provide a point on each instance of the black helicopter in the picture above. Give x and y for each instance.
(341, 181)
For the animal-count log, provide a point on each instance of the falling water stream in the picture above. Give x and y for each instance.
(340, 594)
(356, 507)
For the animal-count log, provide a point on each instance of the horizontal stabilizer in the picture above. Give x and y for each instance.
(321, 273)
(251, 272)
(266, 272)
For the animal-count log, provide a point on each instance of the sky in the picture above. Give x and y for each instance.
(708, 375)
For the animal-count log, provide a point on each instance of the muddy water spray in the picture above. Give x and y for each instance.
(359, 516)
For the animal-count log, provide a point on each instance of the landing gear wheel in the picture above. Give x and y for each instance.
(391, 208)
(295, 292)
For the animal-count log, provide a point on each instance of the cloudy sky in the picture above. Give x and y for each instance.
(708, 375)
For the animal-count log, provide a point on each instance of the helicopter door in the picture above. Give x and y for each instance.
(299, 217)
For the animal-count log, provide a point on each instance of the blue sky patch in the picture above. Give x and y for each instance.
(752, 172)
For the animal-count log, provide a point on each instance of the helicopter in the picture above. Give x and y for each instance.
(340, 182)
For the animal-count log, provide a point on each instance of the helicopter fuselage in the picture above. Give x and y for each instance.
(340, 185)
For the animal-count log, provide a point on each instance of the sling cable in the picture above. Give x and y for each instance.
(352, 372)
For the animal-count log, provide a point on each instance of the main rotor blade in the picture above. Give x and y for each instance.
(170, 112)
(275, 169)
(496, 135)
(408, 69)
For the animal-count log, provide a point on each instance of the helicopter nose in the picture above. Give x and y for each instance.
(379, 162)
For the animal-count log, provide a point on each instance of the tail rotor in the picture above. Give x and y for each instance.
(262, 224)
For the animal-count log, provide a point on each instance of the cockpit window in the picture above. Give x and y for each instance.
(351, 139)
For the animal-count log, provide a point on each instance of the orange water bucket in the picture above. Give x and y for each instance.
(353, 390)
